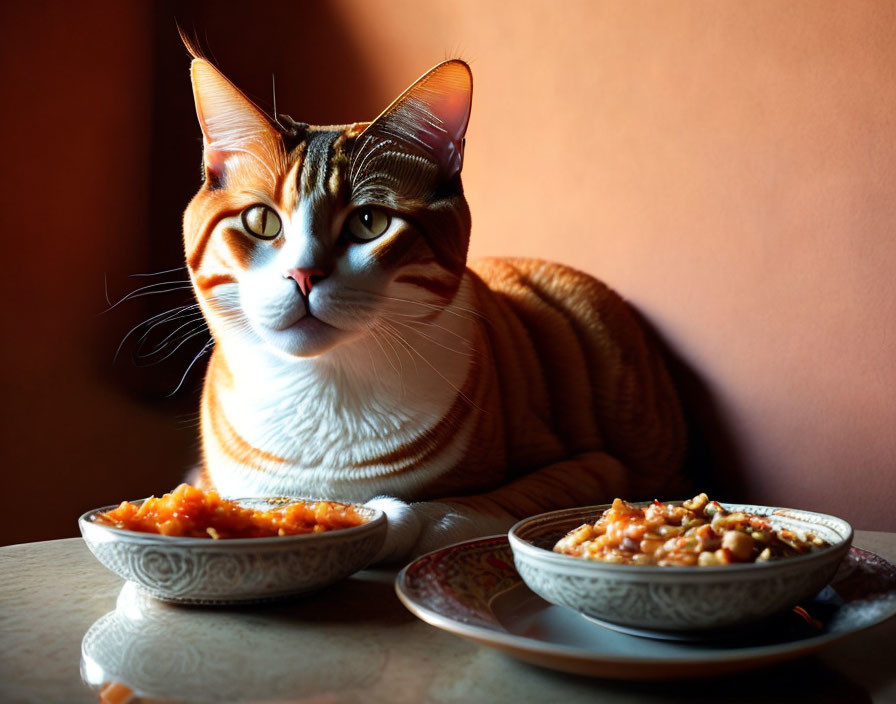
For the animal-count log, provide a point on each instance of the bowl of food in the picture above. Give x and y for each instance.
(677, 569)
(194, 547)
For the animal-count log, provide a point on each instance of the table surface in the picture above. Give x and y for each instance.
(353, 642)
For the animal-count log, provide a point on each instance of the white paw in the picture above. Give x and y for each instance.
(415, 529)
(446, 524)
(402, 531)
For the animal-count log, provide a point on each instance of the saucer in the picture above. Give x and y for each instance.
(473, 590)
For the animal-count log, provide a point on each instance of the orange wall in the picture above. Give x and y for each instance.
(727, 166)
(730, 168)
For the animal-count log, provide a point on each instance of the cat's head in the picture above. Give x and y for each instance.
(304, 238)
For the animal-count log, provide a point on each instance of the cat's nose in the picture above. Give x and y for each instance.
(305, 278)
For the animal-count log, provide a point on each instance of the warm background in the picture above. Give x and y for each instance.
(727, 166)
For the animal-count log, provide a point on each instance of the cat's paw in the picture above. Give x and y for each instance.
(446, 523)
(419, 528)
(403, 528)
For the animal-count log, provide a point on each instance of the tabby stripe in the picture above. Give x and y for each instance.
(230, 442)
(240, 247)
(195, 256)
(560, 349)
(204, 283)
(562, 359)
(333, 178)
(481, 503)
(393, 251)
(621, 402)
(434, 440)
(581, 480)
(511, 348)
(315, 163)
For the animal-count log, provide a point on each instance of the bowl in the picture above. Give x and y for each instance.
(675, 601)
(235, 570)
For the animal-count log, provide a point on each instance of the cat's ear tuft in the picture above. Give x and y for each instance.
(432, 114)
(231, 123)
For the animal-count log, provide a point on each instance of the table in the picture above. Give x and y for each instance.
(354, 642)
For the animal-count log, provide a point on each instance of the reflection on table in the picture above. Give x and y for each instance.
(152, 650)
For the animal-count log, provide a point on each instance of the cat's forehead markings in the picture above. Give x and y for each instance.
(338, 161)
(315, 165)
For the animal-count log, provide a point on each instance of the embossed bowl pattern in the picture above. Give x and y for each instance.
(206, 571)
(675, 599)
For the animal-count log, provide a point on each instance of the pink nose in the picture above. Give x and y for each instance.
(305, 278)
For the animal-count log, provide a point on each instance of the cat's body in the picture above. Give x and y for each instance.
(357, 356)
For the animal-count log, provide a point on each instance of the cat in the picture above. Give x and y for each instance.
(358, 356)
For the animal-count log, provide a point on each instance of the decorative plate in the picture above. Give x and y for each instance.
(473, 590)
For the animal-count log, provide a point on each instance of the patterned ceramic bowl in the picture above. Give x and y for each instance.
(206, 571)
(674, 601)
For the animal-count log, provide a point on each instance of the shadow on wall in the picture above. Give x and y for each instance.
(713, 463)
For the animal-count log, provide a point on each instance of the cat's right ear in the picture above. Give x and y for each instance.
(231, 123)
(432, 115)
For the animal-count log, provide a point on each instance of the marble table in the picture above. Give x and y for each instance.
(353, 642)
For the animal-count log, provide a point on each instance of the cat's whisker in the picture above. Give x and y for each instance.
(429, 323)
(390, 337)
(368, 305)
(160, 273)
(444, 378)
(205, 348)
(376, 371)
(386, 354)
(152, 321)
(173, 337)
(179, 314)
(183, 341)
(466, 353)
(148, 290)
(403, 344)
(451, 308)
(189, 420)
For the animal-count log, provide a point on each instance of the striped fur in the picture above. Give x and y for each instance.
(459, 398)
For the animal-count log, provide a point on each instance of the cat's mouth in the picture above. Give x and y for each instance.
(304, 335)
(308, 322)
(297, 325)
(300, 316)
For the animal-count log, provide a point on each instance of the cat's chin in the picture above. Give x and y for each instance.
(307, 337)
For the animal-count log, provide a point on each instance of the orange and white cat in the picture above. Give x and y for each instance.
(358, 357)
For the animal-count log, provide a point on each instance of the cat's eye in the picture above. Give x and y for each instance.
(261, 221)
(368, 223)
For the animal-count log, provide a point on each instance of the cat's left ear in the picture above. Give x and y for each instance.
(231, 123)
(432, 115)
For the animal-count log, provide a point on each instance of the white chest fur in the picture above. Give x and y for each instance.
(328, 419)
